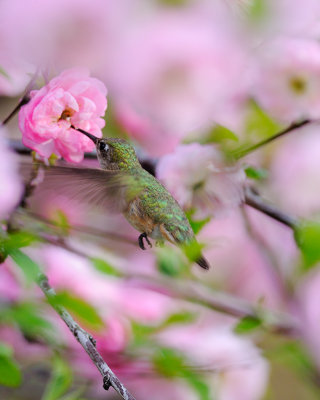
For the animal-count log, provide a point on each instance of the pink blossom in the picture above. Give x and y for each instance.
(72, 98)
(240, 371)
(196, 176)
(11, 187)
(182, 71)
(294, 177)
(288, 78)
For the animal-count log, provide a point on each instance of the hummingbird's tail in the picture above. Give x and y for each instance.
(203, 263)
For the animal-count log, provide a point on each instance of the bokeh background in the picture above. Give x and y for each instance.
(189, 83)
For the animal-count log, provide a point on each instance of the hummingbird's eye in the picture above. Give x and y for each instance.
(103, 146)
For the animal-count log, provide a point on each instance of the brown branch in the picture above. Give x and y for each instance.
(243, 152)
(253, 200)
(86, 341)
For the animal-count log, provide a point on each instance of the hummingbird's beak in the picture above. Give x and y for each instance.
(92, 137)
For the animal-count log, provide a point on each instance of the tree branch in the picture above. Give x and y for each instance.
(252, 199)
(86, 341)
(243, 152)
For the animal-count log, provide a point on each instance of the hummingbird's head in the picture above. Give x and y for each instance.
(113, 153)
(116, 153)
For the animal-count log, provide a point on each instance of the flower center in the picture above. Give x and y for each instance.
(298, 85)
(66, 114)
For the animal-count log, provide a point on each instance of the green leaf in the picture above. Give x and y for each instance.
(105, 267)
(19, 239)
(4, 73)
(28, 317)
(196, 225)
(28, 266)
(256, 173)
(193, 250)
(172, 364)
(5, 350)
(247, 325)
(61, 220)
(60, 381)
(183, 317)
(170, 262)
(307, 236)
(257, 10)
(259, 124)
(168, 362)
(80, 308)
(220, 134)
(10, 374)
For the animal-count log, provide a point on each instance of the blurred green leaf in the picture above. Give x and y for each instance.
(259, 124)
(104, 267)
(171, 262)
(256, 173)
(28, 266)
(183, 317)
(61, 220)
(247, 325)
(172, 364)
(174, 3)
(307, 236)
(258, 9)
(193, 250)
(196, 225)
(61, 380)
(80, 308)
(4, 73)
(10, 374)
(28, 317)
(220, 134)
(16, 240)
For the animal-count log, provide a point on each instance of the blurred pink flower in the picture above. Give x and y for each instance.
(294, 178)
(243, 266)
(197, 177)
(72, 98)
(240, 372)
(287, 81)
(11, 187)
(183, 69)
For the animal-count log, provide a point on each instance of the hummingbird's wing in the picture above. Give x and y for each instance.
(98, 188)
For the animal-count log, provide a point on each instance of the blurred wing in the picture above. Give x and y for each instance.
(96, 187)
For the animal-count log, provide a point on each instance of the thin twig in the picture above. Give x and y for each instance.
(24, 100)
(86, 341)
(243, 152)
(252, 199)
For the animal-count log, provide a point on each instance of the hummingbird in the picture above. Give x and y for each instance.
(139, 196)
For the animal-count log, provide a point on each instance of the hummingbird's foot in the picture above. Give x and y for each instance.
(140, 240)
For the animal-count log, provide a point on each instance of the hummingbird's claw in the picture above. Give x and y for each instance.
(140, 240)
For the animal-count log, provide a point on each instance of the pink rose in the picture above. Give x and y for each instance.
(72, 98)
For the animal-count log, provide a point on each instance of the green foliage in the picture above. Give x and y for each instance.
(257, 10)
(196, 225)
(259, 123)
(256, 173)
(193, 250)
(104, 267)
(77, 306)
(172, 364)
(307, 236)
(220, 134)
(171, 262)
(4, 73)
(247, 324)
(10, 374)
(28, 316)
(29, 267)
(60, 219)
(61, 380)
